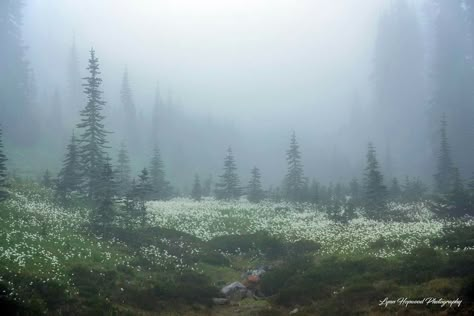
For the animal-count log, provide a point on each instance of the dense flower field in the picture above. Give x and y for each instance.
(211, 218)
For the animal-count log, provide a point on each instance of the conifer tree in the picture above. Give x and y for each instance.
(315, 192)
(93, 138)
(294, 181)
(74, 81)
(196, 193)
(207, 186)
(3, 170)
(395, 192)
(455, 203)
(355, 191)
(444, 175)
(229, 184)
(104, 212)
(47, 180)
(69, 178)
(255, 192)
(123, 171)
(160, 187)
(375, 190)
(129, 117)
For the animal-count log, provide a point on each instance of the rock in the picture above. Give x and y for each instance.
(220, 301)
(294, 311)
(236, 291)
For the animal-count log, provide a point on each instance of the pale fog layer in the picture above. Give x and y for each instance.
(258, 68)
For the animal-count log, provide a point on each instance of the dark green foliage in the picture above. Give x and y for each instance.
(144, 187)
(104, 212)
(455, 202)
(375, 190)
(134, 206)
(255, 192)
(453, 238)
(69, 178)
(93, 138)
(123, 171)
(196, 193)
(341, 211)
(228, 186)
(420, 266)
(161, 189)
(444, 176)
(3, 171)
(355, 191)
(294, 180)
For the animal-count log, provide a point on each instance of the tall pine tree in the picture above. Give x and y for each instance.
(103, 215)
(444, 175)
(375, 190)
(123, 171)
(161, 189)
(196, 193)
(3, 170)
(69, 178)
(229, 185)
(254, 189)
(294, 181)
(93, 138)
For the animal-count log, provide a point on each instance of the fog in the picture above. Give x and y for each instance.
(246, 74)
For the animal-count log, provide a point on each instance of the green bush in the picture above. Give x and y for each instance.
(421, 265)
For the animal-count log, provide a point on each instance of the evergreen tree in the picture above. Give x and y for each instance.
(375, 190)
(161, 189)
(123, 171)
(196, 193)
(444, 176)
(228, 186)
(69, 178)
(93, 138)
(294, 181)
(413, 190)
(355, 191)
(453, 79)
(207, 187)
(47, 180)
(15, 77)
(455, 203)
(315, 194)
(74, 81)
(395, 192)
(3, 170)
(129, 117)
(255, 192)
(103, 214)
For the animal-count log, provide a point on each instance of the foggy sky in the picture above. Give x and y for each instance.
(266, 66)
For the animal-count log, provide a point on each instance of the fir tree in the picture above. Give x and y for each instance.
(444, 175)
(104, 212)
(315, 196)
(196, 193)
(355, 191)
(294, 181)
(69, 178)
(455, 203)
(129, 117)
(47, 180)
(375, 190)
(123, 171)
(3, 170)
(228, 186)
(160, 187)
(93, 138)
(207, 186)
(395, 192)
(255, 192)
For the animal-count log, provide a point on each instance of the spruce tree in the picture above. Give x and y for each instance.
(129, 117)
(3, 170)
(455, 203)
(315, 192)
(229, 186)
(255, 192)
(355, 191)
(196, 193)
(160, 187)
(294, 181)
(93, 138)
(375, 190)
(69, 178)
(444, 175)
(47, 180)
(123, 171)
(395, 192)
(103, 215)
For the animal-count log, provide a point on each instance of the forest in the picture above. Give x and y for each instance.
(249, 158)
